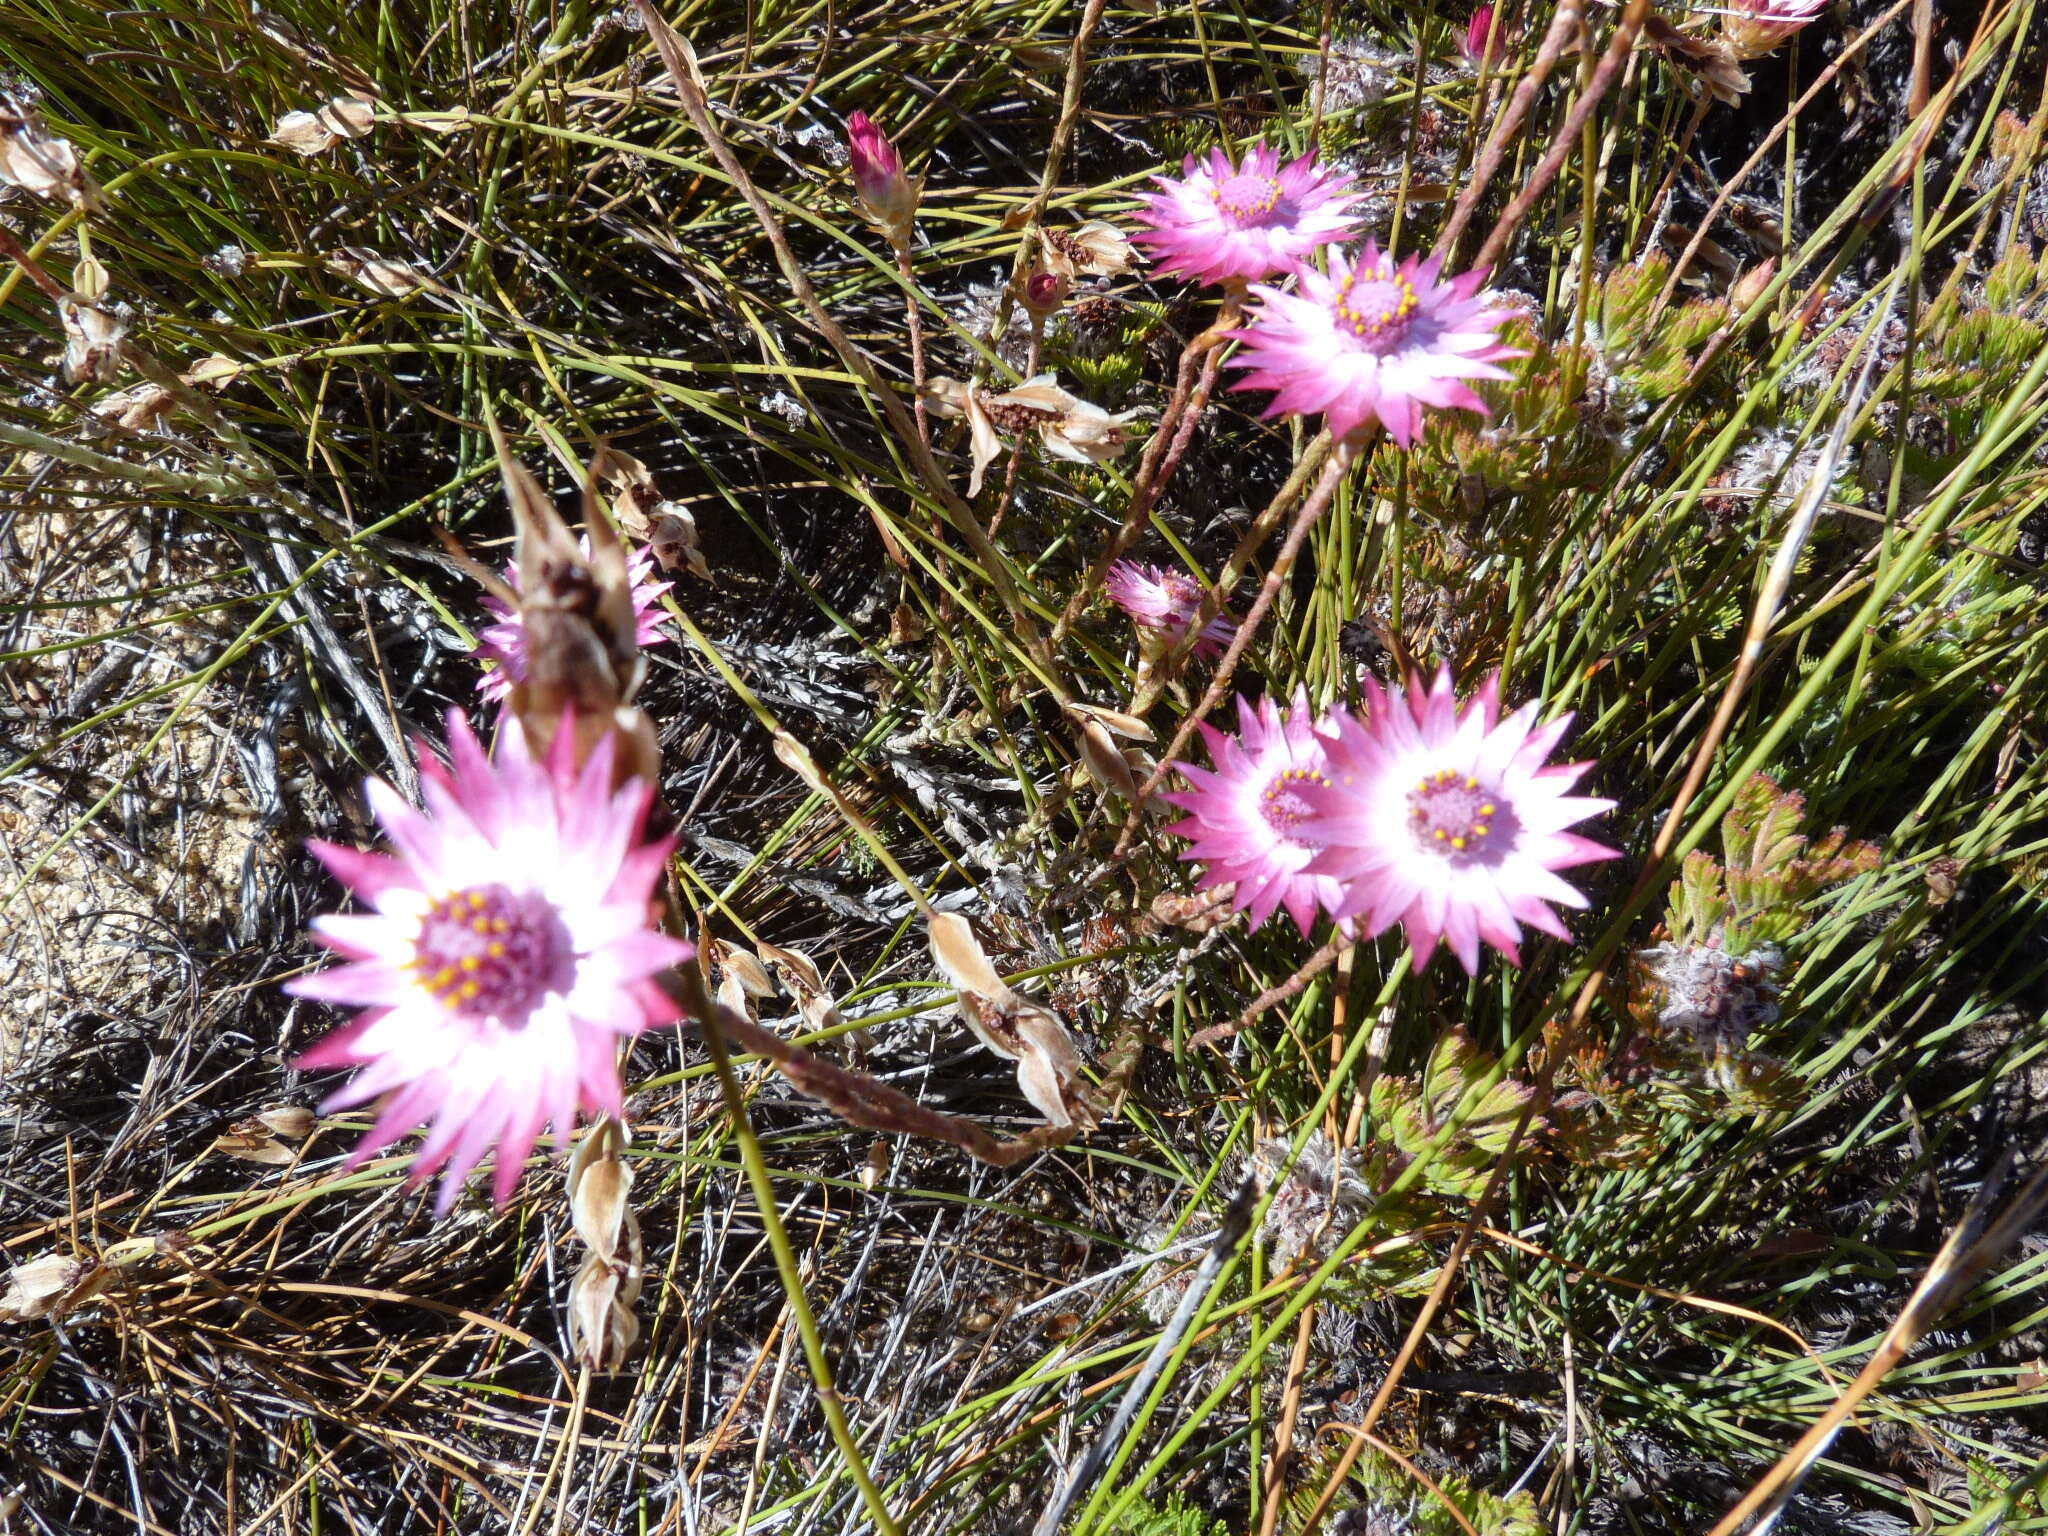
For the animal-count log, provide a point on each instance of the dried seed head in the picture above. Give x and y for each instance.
(1318, 1203)
(1095, 249)
(583, 662)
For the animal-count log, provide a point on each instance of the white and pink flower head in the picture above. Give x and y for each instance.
(1373, 341)
(504, 640)
(1754, 28)
(1166, 601)
(1446, 818)
(1245, 815)
(1224, 223)
(505, 954)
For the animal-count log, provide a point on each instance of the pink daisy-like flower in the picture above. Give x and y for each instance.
(1222, 223)
(505, 954)
(504, 641)
(1373, 341)
(1446, 819)
(1245, 815)
(1156, 598)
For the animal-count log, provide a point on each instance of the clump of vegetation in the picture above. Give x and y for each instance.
(1206, 770)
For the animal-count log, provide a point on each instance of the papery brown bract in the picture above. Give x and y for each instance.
(583, 664)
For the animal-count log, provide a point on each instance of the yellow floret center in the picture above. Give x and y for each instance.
(1281, 805)
(1248, 196)
(1376, 306)
(487, 951)
(1451, 812)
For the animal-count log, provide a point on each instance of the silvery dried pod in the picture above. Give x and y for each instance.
(378, 273)
(315, 132)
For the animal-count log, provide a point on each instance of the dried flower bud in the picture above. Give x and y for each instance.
(1709, 58)
(93, 337)
(1016, 1029)
(887, 195)
(316, 132)
(49, 1287)
(583, 662)
(37, 161)
(294, 1122)
(1749, 287)
(381, 275)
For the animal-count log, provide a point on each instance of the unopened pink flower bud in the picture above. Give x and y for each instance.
(889, 196)
(1045, 292)
(1478, 33)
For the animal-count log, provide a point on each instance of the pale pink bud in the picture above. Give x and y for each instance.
(889, 196)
